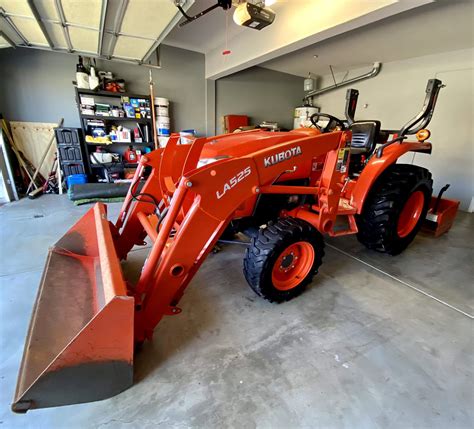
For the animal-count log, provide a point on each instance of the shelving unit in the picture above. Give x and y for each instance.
(116, 147)
(116, 118)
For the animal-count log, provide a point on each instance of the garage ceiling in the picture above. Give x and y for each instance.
(298, 24)
(438, 27)
(127, 30)
(208, 32)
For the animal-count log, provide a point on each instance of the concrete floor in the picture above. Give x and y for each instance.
(359, 349)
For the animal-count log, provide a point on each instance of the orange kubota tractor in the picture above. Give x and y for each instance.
(290, 187)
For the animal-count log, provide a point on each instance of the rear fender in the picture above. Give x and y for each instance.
(376, 166)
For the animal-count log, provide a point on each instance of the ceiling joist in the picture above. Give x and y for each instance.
(40, 23)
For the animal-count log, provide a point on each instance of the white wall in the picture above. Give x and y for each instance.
(397, 94)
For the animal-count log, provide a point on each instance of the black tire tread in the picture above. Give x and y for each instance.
(268, 244)
(377, 223)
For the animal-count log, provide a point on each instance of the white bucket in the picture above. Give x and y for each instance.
(303, 115)
(161, 101)
(163, 125)
(161, 111)
(161, 106)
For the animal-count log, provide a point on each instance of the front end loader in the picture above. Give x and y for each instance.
(285, 189)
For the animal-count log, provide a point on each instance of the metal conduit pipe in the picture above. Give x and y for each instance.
(374, 72)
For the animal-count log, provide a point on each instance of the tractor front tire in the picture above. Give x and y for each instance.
(395, 208)
(283, 258)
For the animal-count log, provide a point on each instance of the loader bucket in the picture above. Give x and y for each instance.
(79, 346)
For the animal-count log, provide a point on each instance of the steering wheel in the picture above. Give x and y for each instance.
(331, 125)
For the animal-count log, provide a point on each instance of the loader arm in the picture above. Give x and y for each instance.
(203, 202)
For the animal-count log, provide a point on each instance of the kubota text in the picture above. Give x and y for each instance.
(282, 156)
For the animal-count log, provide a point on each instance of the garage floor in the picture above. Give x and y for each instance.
(358, 349)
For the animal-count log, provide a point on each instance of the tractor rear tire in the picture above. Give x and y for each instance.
(395, 208)
(283, 258)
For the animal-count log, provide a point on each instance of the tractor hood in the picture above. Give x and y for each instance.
(247, 142)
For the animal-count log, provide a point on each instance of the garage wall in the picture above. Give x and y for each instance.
(36, 85)
(261, 94)
(397, 94)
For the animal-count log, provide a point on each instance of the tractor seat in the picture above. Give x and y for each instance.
(365, 135)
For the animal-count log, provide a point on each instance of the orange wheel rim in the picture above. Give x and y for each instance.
(293, 265)
(410, 214)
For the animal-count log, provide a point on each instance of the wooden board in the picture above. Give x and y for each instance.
(32, 139)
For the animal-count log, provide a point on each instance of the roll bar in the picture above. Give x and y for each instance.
(420, 121)
(423, 118)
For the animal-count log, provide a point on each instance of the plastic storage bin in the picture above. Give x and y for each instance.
(76, 179)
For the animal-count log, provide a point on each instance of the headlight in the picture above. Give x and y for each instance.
(205, 161)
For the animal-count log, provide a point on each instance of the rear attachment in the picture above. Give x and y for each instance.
(80, 340)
